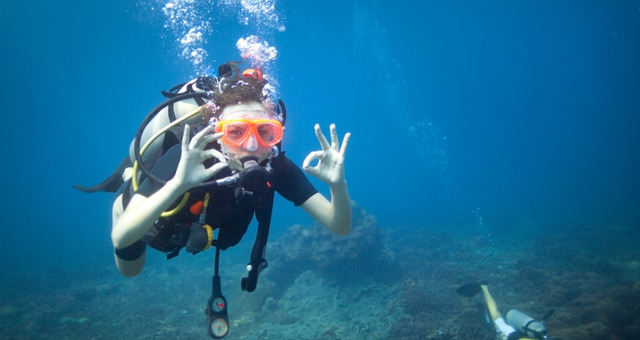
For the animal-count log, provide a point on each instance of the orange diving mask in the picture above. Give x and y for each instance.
(268, 132)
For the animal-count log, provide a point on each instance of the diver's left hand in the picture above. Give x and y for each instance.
(330, 167)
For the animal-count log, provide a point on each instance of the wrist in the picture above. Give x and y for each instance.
(176, 185)
(340, 184)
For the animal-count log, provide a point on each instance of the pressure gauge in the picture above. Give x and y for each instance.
(218, 304)
(219, 328)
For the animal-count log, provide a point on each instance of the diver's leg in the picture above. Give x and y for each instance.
(501, 326)
(491, 303)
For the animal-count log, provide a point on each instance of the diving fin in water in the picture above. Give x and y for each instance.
(112, 183)
(471, 288)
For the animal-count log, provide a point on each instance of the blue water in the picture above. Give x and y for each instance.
(522, 113)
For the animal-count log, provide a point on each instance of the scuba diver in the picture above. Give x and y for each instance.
(518, 326)
(195, 180)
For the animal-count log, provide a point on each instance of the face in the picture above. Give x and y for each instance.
(249, 146)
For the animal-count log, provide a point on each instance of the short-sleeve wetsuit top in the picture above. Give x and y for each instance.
(229, 211)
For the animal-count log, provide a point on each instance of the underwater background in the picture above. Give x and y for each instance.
(491, 140)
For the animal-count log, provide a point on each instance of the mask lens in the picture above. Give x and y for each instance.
(236, 132)
(270, 133)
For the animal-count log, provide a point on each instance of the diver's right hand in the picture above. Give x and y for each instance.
(191, 170)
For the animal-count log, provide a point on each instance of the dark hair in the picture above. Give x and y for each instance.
(234, 88)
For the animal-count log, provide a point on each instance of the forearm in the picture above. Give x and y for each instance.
(340, 211)
(335, 214)
(142, 212)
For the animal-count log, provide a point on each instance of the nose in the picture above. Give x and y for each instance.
(251, 144)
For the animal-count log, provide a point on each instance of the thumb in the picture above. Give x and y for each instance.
(310, 158)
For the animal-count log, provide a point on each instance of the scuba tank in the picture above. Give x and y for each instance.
(526, 324)
(163, 127)
(170, 112)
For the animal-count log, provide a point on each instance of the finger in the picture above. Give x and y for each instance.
(312, 171)
(185, 138)
(321, 138)
(217, 136)
(214, 153)
(214, 169)
(207, 130)
(345, 143)
(206, 140)
(201, 138)
(334, 136)
(310, 158)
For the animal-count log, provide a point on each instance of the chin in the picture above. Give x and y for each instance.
(236, 164)
(235, 154)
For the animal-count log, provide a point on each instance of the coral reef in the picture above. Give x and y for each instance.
(360, 255)
(397, 284)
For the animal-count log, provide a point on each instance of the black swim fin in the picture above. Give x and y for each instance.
(471, 288)
(112, 183)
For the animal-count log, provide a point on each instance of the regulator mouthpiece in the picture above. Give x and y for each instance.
(254, 178)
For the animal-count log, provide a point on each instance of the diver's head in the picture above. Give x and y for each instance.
(249, 130)
(245, 115)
